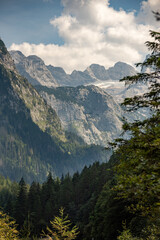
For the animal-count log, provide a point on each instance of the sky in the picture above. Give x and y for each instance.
(74, 34)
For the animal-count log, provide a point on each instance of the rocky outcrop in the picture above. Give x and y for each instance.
(87, 111)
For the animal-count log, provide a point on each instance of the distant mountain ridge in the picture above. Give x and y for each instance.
(37, 72)
(118, 71)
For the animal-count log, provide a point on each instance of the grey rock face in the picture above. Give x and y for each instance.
(81, 78)
(60, 75)
(34, 69)
(74, 79)
(87, 111)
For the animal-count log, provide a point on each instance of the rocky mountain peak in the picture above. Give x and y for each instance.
(98, 71)
(80, 78)
(34, 69)
(17, 56)
(120, 64)
(35, 59)
(97, 67)
(121, 70)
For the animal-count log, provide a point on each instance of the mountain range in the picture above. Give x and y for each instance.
(54, 122)
(37, 73)
(33, 142)
(76, 101)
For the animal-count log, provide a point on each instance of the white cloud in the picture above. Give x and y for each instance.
(146, 16)
(94, 32)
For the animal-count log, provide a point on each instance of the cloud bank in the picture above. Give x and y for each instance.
(94, 32)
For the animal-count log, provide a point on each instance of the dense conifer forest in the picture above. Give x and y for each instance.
(86, 198)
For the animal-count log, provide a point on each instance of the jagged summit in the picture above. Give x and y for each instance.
(38, 73)
(18, 56)
(97, 71)
(35, 59)
(34, 69)
(121, 70)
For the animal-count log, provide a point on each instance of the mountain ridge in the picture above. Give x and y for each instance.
(93, 73)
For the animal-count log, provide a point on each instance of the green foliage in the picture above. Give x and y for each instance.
(138, 172)
(61, 228)
(150, 233)
(109, 213)
(8, 229)
(126, 235)
(78, 194)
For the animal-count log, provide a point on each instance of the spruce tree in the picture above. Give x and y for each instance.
(35, 207)
(21, 203)
(139, 168)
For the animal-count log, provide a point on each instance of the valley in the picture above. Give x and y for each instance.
(79, 120)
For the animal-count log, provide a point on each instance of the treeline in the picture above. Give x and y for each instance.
(34, 206)
(87, 198)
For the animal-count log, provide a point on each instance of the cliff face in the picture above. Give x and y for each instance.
(29, 128)
(87, 111)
